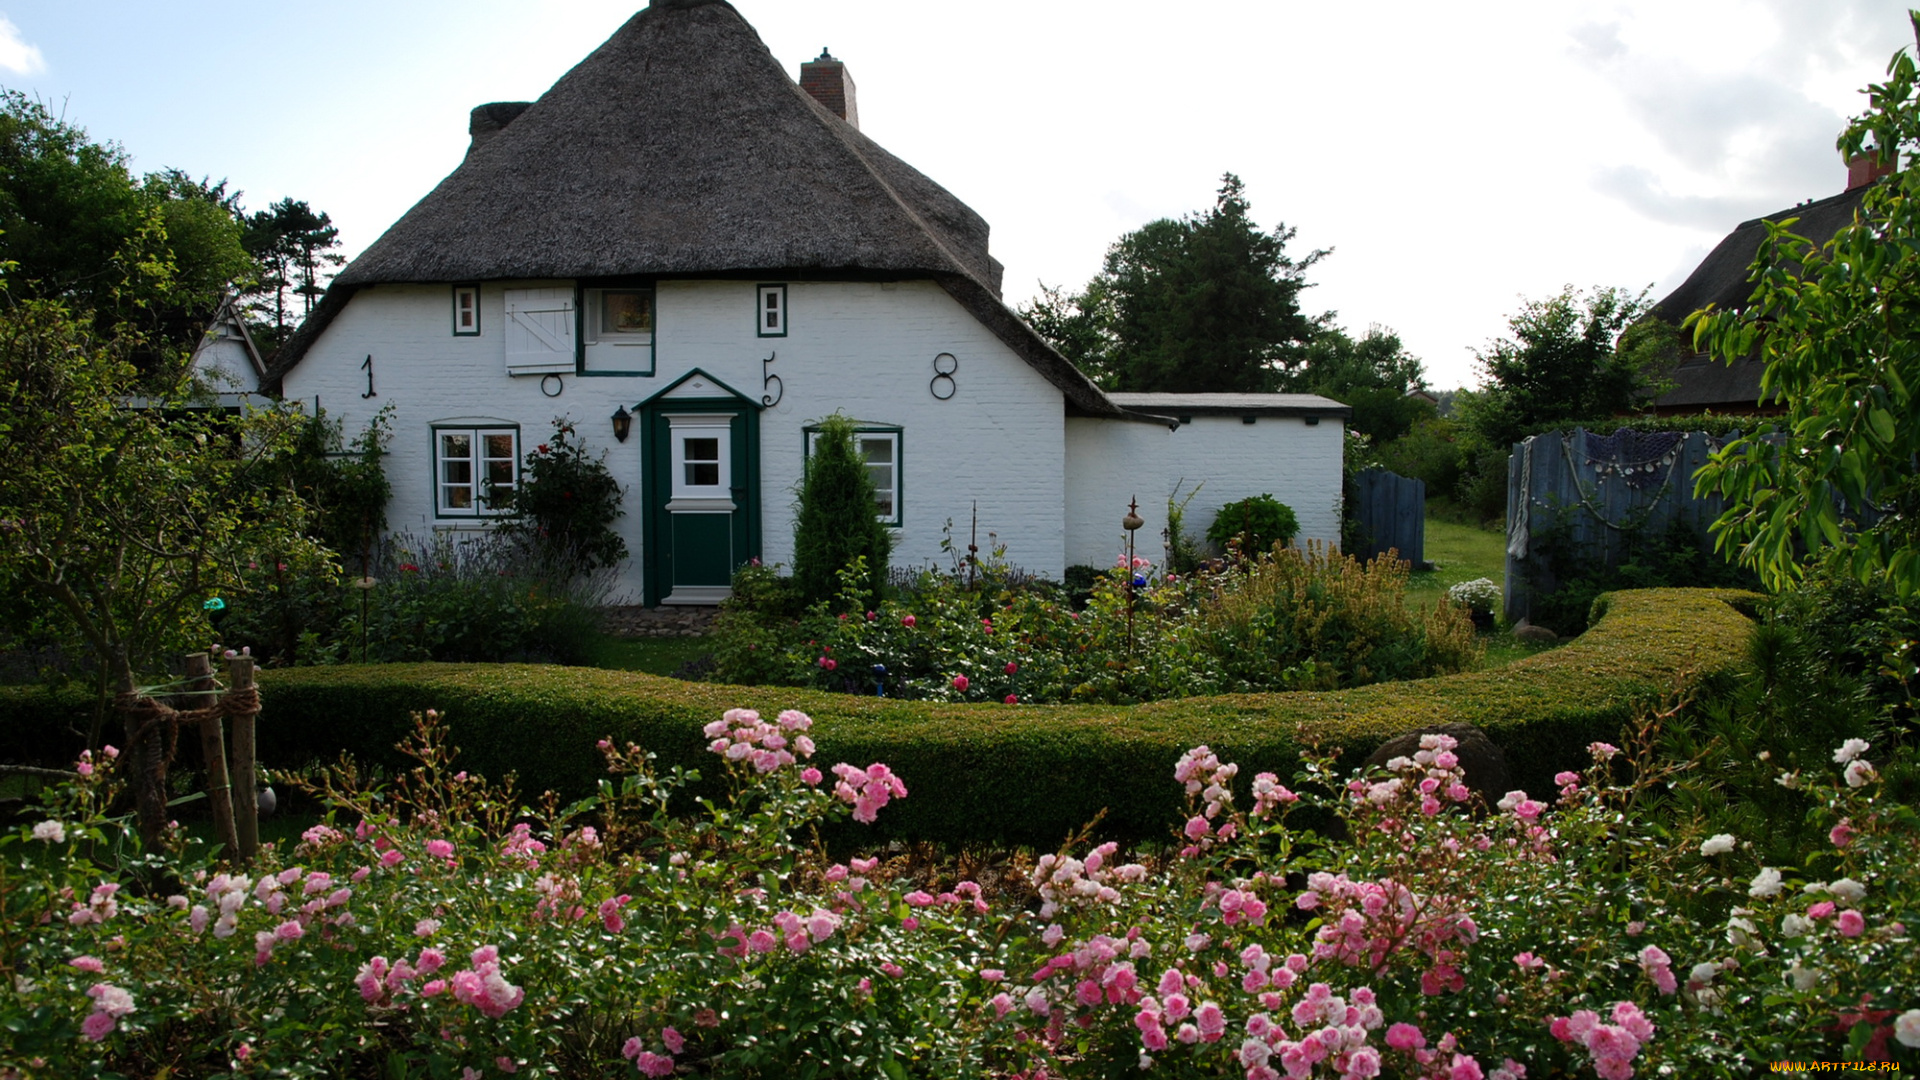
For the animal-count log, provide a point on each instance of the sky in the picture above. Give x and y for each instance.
(1457, 159)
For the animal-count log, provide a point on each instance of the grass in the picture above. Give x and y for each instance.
(1461, 552)
(652, 655)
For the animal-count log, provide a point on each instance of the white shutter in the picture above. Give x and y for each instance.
(539, 331)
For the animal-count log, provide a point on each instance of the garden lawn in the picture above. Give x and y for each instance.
(655, 656)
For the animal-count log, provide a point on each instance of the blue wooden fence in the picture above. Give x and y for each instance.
(1602, 488)
(1392, 511)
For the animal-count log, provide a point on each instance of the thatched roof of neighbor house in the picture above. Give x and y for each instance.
(681, 147)
(1721, 279)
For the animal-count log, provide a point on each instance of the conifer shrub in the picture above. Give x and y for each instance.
(834, 519)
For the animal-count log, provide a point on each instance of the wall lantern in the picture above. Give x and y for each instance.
(622, 424)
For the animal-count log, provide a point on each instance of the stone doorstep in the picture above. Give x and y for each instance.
(634, 621)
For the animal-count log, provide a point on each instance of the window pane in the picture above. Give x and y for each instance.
(703, 450)
(500, 446)
(876, 451)
(626, 312)
(703, 474)
(456, 446)
(457, 497)
(500, 473)
(456, 471)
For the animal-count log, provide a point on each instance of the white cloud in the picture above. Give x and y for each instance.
(15, 54)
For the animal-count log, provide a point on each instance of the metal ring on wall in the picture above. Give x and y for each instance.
(559, 384)
(942, 385)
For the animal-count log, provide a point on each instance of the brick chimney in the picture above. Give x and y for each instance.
(827, 80)
(1865, 168)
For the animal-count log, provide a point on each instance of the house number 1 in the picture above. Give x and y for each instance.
(367, 366)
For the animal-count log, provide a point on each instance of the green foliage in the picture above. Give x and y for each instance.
(293, 247)
(125, 521)
(565, 505)
(835, 520)
(1030, 774)
(344, 484)
(1183, 555)
(1566, 362)
(484, 599)
(1205, 303)
(1253, 525)
(721, 937)
(1373, 374)
(1565, 578)
(1281, 622)
(1428, 451)
(1831, 323)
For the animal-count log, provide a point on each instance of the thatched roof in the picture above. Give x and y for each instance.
(1721, 279)
(681, 147)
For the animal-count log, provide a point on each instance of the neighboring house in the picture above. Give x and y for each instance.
(226, 361)
(1702, 383)
(677, 235)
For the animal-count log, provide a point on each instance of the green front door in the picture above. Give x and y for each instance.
(701, 472)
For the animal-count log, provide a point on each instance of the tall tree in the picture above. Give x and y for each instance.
(1208, 303)
(1562, 363)
(295, 248)
(156, 253)
(1374, 374)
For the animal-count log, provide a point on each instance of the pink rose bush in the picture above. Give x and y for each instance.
(1440, 938)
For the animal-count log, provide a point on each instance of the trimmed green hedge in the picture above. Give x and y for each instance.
(1024, 774)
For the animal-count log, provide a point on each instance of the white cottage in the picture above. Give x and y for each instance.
(680, 238)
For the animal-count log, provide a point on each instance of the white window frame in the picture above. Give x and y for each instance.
(876, 432)
(770, 311)
(476, 461)
(466, 301)
(717, 497)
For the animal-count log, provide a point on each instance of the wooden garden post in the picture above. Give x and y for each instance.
(146, 753)
(247, 818)
(213, 748)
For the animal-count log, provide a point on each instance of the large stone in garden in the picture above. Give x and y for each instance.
(1527, 631)
(1485, 766)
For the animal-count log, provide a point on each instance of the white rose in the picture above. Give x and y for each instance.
(1765, 883)
(1703, 973)
(1717, 845)
(51, 831)
(1794, 926)
(1859, 773)
(1848, 890)
(1849, 750)
(1906, 1029)
(1804, 978)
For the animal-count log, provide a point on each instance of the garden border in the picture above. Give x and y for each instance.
(1027, 774)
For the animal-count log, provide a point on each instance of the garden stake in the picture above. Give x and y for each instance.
(247, 817)
(973, 547)
(213, 750)
(879, 680)
(1131, 523)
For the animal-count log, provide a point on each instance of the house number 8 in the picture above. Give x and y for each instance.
(942, 385)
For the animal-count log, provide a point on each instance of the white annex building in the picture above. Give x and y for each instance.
(679, 235)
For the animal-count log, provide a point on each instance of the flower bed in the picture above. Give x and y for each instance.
(993, 772)
(430, 929)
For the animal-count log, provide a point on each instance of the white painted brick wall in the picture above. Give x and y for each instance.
(1110, 462)
(865, 349)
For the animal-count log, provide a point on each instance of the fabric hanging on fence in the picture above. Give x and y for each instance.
(1517, 516)
(1642, 458)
